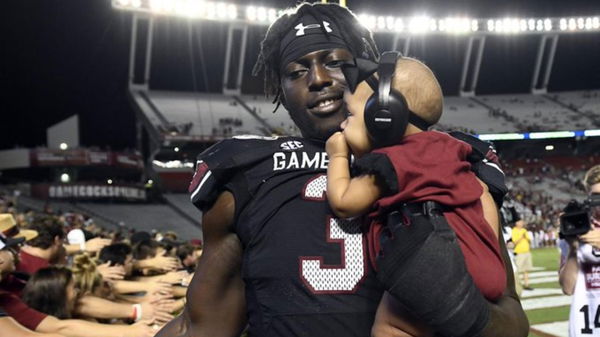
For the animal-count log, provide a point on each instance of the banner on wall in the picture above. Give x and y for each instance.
(88, 191)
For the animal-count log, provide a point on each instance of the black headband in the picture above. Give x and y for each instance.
(309, 35)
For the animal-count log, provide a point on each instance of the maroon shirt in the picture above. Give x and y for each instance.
(30, 264)
(17, 309)
(432, 166)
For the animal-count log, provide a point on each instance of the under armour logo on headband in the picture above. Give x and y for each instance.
(301, 28)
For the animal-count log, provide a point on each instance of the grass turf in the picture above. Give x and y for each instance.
(547, 258)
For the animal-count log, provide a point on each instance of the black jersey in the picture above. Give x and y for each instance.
(306, 272)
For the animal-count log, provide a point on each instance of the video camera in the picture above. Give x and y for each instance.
(576, 219)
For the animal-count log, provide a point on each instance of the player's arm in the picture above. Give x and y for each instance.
(348, 197)
(215, 298)
(507, 318)
(10, 327)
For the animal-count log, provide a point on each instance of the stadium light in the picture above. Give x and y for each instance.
(252, 14)
(551, 134)
(109, 181)
(419, 24)
(563, 24)
(63, 146)
(176, 149)
(549, 147)
(591, 133)
(65, 178)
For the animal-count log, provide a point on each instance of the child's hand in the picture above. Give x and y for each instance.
(336, 146)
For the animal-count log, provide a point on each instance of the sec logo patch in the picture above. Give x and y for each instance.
(291, 145)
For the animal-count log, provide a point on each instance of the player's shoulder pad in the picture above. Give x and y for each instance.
(485, 164)
(217, 165)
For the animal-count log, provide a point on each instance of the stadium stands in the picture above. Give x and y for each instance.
(216, 116)
(195, 114)
(468, 115)
(182, 202)
(586, 102)
(535, 113)
(141, 217)
(279, 121)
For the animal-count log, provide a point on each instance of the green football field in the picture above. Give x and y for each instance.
(546, 277)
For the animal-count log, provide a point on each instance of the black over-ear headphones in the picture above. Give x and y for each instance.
(386, 111)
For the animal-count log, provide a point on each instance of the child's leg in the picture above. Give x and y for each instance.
(392, 320)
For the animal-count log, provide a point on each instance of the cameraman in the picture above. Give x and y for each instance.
(579, 273)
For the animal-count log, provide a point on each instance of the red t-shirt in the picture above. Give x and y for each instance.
(17, 309)
(30, 264)
(432, 166)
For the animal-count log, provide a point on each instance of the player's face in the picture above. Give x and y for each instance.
(354, 128)
(313, 87)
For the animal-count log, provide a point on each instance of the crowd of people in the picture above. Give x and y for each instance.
(62, 275)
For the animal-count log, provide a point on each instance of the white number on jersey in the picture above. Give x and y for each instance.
(344, 278)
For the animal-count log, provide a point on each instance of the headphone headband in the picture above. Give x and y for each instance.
(387, 66)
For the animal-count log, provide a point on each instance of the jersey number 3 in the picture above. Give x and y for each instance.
(334, 279)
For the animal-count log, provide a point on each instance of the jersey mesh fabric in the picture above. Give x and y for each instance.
(306, 273)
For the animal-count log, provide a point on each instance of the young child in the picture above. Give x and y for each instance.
(422, 166)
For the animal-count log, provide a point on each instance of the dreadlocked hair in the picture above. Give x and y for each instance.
(358, 38)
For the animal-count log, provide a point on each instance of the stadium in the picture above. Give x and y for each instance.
(110, 102)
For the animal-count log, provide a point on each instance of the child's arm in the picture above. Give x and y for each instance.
(347, 197)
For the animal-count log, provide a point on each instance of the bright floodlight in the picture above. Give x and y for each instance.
(572, 24)
(65, 178)
(419, 24)
(176, 149)
(261, 14)
(271, 14)
(109, 181)
(549, 147)
(251, 13)
(368, 21)
(596, 22)
(232, 12)
(123, 2)
(63, 146)
(136, 3)
(563, 24)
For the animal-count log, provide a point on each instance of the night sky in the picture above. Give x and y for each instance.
(62, 57)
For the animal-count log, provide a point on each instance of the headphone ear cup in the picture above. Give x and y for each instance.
(400, 114)
(386, 126)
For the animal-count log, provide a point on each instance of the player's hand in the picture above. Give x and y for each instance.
(159, 287)
(592, 237)
(96, 244)
(336, 146)
(166, 263)
(109, 273)
(174, 277)
(143, 328)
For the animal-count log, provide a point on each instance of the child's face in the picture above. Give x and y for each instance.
(354, 128)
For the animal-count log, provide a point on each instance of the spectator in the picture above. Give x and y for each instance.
(51, 291)
(187, 254)
(579, 272)
(37, 321)
(46, 247)
(522, 241)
